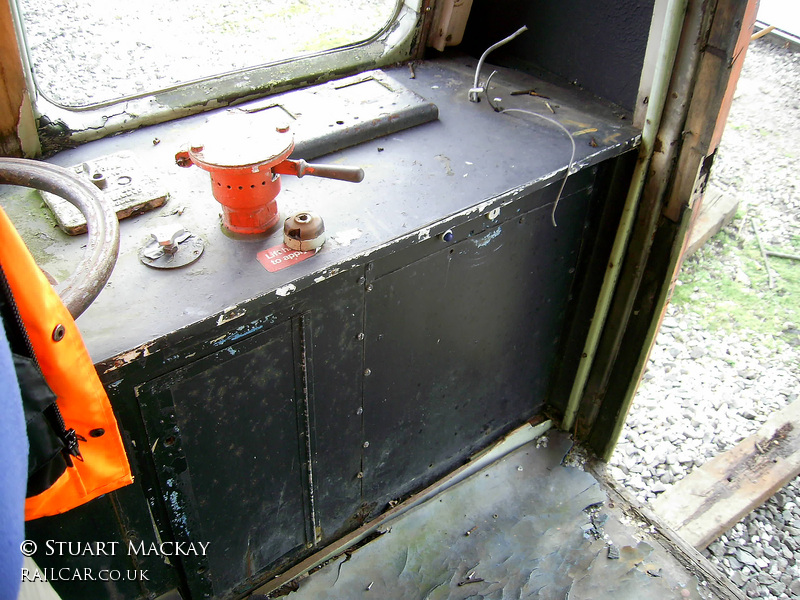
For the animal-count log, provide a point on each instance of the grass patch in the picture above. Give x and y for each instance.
(726, 284)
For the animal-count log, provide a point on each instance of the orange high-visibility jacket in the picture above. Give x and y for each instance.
(71, 375)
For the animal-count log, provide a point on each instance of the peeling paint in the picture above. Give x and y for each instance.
(229, 314)
(179, 515)
(445, 160)
(345, 238)
(218, 340)
(424, 234)
(485, 240)
(242, 331)
(130, 356)
(286, 290)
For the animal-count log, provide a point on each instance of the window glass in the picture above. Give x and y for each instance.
(87, 52)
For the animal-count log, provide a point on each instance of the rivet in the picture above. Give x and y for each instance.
(366, 444)
(96, 433)
(360, 475)
(367, 372)
(359, 411)
(370, 287)
(361, 280)
(59, 332)
(360, 337)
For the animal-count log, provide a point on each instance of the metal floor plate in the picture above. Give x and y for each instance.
(519, 528)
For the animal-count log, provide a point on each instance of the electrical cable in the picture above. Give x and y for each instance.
(474, 96)
(495, 108)
(571, 158)
(474, 93)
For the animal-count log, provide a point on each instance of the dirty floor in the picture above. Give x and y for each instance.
(523, 527)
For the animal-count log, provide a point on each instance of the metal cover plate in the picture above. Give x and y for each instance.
(129, 188)
(334, 115)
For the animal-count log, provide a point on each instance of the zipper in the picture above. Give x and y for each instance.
(69, 437)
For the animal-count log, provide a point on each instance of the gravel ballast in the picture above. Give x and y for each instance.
(709, 385)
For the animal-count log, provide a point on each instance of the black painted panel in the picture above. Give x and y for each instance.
(460, 346)
(336, 308)
(230, 455)
(599, 45)
(93, 541)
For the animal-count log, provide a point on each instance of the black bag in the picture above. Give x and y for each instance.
(46, 460)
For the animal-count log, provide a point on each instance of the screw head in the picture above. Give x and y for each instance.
(59, 332)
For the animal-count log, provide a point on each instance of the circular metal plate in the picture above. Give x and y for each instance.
(239, 145)
(188, 251)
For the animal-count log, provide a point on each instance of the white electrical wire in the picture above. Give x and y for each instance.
(474, 96)
(571, 158)
(474, 93)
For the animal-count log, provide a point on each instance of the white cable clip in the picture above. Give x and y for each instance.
(475, 94)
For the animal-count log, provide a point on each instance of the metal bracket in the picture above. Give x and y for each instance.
(171, 248)
(122, 182)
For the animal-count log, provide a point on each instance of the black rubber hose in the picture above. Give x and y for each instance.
(88, 280)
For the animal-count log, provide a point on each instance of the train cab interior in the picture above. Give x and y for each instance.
(323, 293)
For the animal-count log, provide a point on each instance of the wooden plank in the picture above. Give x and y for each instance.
(716, 211)
(18, 133)
(713, 498)
(715, 72)
(12, 85)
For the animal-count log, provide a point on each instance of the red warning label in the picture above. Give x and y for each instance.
(279, 257)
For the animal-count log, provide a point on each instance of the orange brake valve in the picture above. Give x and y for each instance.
(246, 175)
